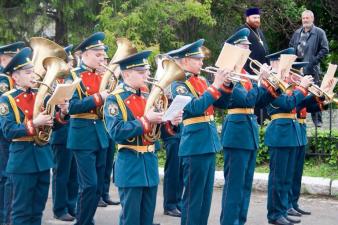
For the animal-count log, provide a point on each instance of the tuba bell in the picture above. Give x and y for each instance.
(124, 49)
(49, 64)
(56, 68)
(109, 80)
(43, 48)
(157, 98)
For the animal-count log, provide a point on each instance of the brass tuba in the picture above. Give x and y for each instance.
(124, 49)
(56, 68)
(171, 72)
(49, 64)
(109, 80)
(43, 48)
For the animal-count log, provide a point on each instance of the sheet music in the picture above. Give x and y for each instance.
(285, 64)
(329, 82)
(62, 92)
(229, 56)
(178, 104)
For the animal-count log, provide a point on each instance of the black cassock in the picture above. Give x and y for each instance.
(259, 49)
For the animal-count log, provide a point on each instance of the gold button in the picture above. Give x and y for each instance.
(25, 96)
(18, 100)
(26, 111)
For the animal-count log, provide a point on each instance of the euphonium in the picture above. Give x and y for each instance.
(157, 99)
(56, 68)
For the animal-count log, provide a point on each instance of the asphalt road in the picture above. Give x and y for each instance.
(324, 211)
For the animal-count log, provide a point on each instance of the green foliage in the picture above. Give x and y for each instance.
(63, 21)
(158, 25)
(326, 142)
(262, 153)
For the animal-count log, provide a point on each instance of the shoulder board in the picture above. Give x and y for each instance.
(76, 69)
(118, 91)
(9, 92)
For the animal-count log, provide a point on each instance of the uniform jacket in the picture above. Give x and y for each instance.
(241, 130)
(309, 105)
(200, 138)
(24, 157)
(285, 132)
(86, 134)
(123, 111)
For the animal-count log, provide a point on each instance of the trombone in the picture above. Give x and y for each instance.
(273, 80)
(235, 77)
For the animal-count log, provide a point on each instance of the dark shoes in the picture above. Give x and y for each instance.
(319, 124)
(111, 202)
(65, 217)
(302, 211)
(292, 220)
(173, 212)
(293, 212)
(102, 203)
(281, 221)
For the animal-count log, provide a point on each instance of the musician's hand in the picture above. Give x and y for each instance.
(264, 71)
(220, 77)
(154, 117)
(104, 94)
(178, 119)
(64, 107)
(43, 119)
(306, 81)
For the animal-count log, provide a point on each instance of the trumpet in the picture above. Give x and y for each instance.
(273, 79)
(235, 77)
(314, 89)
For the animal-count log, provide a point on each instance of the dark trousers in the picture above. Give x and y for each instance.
(138, 205)
(30, 193)
(282, 164)
(108, 170)
(8, 197)
(198, 178)
(64, 181)
(90, 169)
(316, 116)
(3, 196)
(239, 167)
(4, 146)
(294, 192)
(173, 180)
(261, 114)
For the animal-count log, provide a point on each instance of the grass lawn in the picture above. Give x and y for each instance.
(311, 169)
